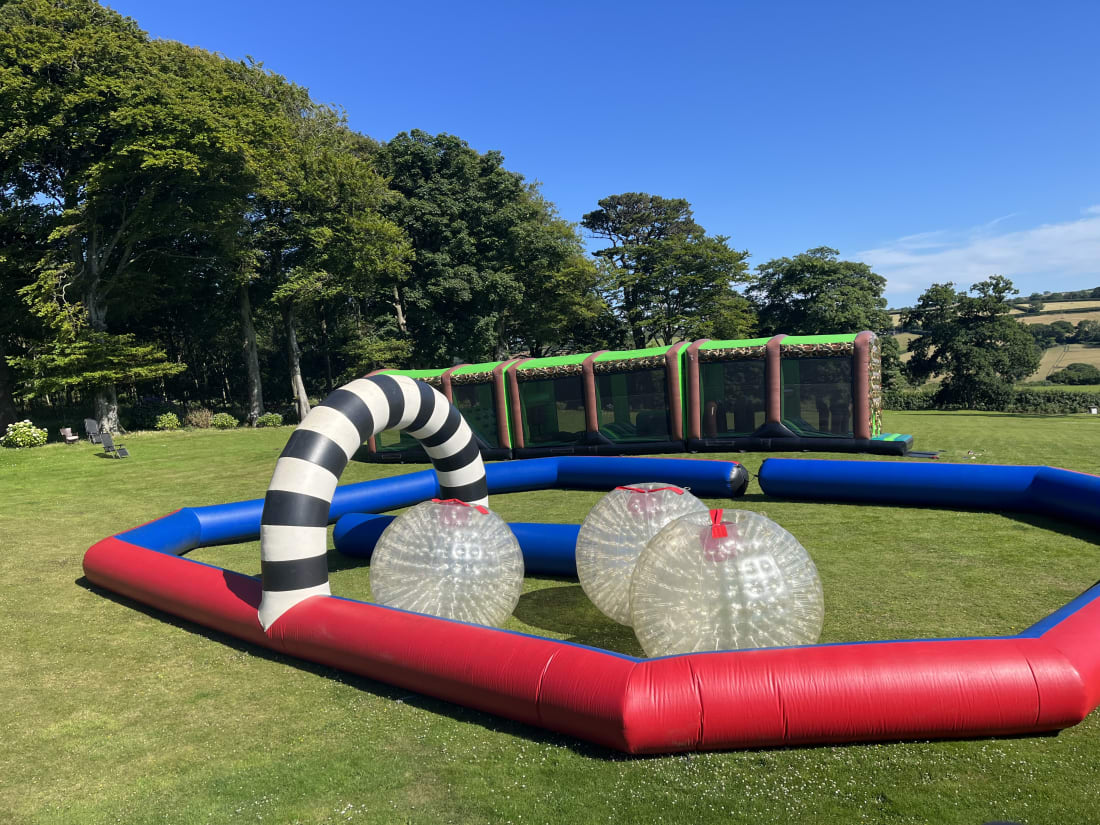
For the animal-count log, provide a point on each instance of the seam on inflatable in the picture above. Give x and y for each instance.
(695, 683)
(1038, 693)
(777, 690)
(538, 684)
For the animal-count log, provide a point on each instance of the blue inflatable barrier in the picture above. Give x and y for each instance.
(193, 527)
(548, 549)
(1046, 491)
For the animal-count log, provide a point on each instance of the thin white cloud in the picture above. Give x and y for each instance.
(1056, 257)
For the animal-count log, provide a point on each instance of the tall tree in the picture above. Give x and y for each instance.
(127, 144)
(664, 273)
(972, 343)
(316, 224)
(815, 293)
(487, 250)
(21, 239)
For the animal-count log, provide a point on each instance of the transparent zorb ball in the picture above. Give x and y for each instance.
(614, 533)
(449, 559)
(725, 580)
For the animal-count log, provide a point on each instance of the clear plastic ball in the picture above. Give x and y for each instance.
(614, 533)
(694, 589)
(449, 560)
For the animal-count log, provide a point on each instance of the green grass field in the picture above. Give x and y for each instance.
(115, 713)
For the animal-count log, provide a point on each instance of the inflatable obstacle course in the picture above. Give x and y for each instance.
(820, 392)
(1040, 680)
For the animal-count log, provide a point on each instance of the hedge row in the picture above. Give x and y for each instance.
(1055, 400)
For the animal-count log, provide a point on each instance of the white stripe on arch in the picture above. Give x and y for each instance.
(296, 475)
(288, 542)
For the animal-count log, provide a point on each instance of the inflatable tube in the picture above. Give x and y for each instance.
(548, 549)
(1043, 679)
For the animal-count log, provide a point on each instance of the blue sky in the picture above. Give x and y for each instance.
(935, 140)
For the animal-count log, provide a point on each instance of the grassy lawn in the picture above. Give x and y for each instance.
(116, 713)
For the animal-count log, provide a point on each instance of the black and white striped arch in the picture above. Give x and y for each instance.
(293, 534)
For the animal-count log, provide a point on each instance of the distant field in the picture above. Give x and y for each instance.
(1056, 358)
(1093, 313)
(903, 342)
(1071, 305)
(1072, 317)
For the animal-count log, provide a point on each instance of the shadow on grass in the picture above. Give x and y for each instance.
(458, 713)
(565, 610)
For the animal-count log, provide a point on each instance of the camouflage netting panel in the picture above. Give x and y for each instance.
(820, 350)
(651, 362)
(730, 354)
(874, 385)
(542, 373)
(471, 378)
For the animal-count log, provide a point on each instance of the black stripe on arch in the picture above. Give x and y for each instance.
(395, 399)
(447, 429)
(473, 491)
(354, 409)
(427, 406)
(294, 574)
(294, 510)
(316, 449)
(462, 458)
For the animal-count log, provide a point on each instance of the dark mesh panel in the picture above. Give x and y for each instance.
(633, 406)
(733, 398)
(817, 396)
(475, 402)
(553, 411)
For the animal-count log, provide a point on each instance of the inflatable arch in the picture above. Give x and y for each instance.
(1042, 679)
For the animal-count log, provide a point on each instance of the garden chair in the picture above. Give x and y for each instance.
(112, 449)
(67, 435)
(91, 427)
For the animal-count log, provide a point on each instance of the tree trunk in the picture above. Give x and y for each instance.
(325, 351)
(106, 398)
(399, 307)
(251, 357)
(294, 356)
(8, 413)
(106, 408)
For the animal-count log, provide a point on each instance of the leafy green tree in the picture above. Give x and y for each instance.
(129, 146)
(1063, 331)
(1087, 332)
(1035, 303)
(22, 237)
(815, 293)
(489, 253)
(316, 224)
(666, 278)
(1043, 335)
(972, 343)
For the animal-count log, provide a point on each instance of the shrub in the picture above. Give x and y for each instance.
(168, 421)
(144, 414)
(23, 434)
(918, 399)
(269, 420)
(199, 417)
(223, 421)
(1077, 374)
